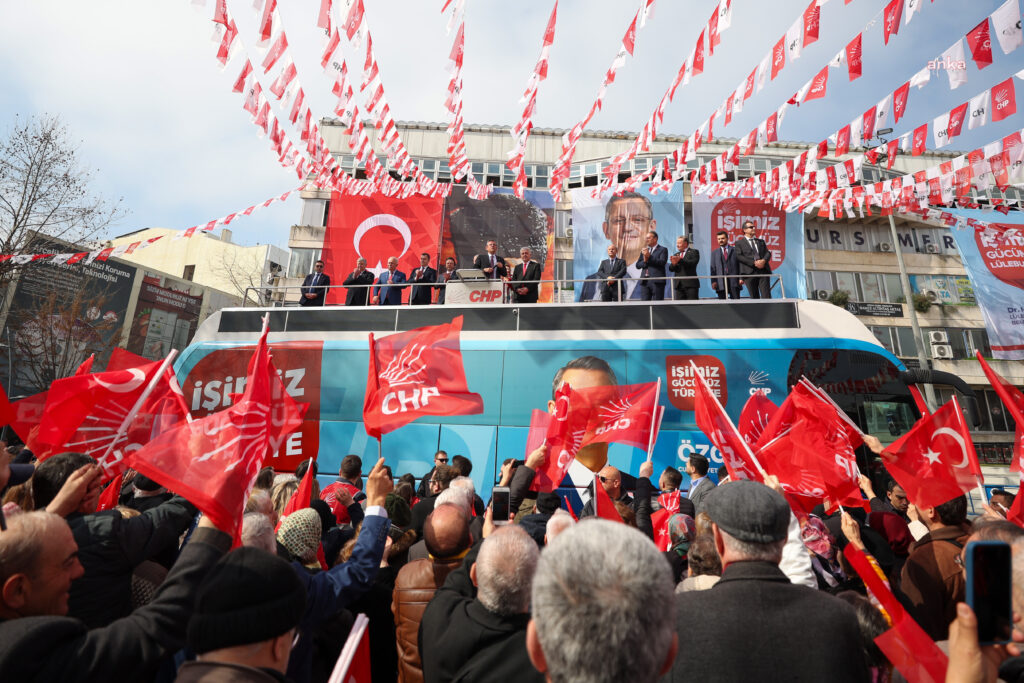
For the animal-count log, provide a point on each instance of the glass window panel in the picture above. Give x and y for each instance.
(884, 336)
(821, 280)
(493, 169)
(847, 282)
(429, 164)
(300, 264)
(905, 340)
(478, 168)
(313, 211)
(978, 339)
(957, 341)
(996, 410)
(590, 169)
(642, 164)
(893, 288)
(871, 287)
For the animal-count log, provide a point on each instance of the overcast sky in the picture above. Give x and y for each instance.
(137, 82)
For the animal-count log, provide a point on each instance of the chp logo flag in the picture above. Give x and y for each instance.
(712, 419)
(1004, 100)
(755, 416)
(377, 228)
(935, 461)
(416, 373)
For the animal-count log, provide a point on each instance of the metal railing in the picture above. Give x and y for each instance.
(290, 295)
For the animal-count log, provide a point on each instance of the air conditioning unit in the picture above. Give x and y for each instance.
(885, 246)
(932, 295)
(938, 337)
(932, 248)
(942, 352)
(568, 233)
(822, 294)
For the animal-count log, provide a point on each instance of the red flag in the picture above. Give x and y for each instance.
(213, 461)
(981, 44)
(755, 416)
(748, 90)
(812, 20)
(956, 120)
(899, 100)
(353, 665)
(27, 414)
(354, 19)
(843, 141)
(818, 86)
(1013, 399)
(893, 13)
(824, 445)
(920, 139)
(712, 419)
(603, 505)
(416, 373)
(853, 58)
(122, 359)
(659, 520)
(935, 461)
(301, 499)
(778, 57)
(7, 412)
(1004, 100)
(822, 151)
(714, 39)
(86, 367)
(868, 125)
(108, 499)
(619, 414)
(562, 436)
(698, 57)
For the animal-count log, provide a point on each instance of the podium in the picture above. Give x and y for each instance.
(471, 286)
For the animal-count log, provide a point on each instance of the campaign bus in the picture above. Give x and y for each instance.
(511, 354)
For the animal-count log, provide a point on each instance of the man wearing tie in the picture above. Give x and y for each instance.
(314, 287)
(443, 279)
(755, 260)
(611, 270)
(388, 291)
(422, 279)
(492, 264)
(723, 262)
(651, 264)
(358, 282)
(684, 263)
(526, 292)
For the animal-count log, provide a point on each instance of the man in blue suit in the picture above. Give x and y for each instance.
(723, 262)
(388, 291)
(651, 264)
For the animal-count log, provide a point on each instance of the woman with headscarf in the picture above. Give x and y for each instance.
(681, 531)
(822, 547)
(300, 536)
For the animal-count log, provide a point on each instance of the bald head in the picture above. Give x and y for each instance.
(446, 531)
(611, 479)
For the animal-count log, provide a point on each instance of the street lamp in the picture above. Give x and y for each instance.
(905, 280)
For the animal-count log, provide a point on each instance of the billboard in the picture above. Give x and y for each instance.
(622, 220)
(782, 232)
(164, 319)
(994, 260)
(377, 228)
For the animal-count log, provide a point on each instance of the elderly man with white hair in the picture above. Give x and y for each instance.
(475, 627)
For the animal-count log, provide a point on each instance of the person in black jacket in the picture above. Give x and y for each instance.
(314, 286)
(422, 279)
(684, 264)
(39, 643)
(358, 282)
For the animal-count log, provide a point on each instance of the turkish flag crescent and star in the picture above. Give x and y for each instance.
(935, 461)
(213, 461)
(377, 228)
(416, 373)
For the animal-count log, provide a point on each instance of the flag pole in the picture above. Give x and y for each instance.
(981, 489)
(655, 420)
(138, 404)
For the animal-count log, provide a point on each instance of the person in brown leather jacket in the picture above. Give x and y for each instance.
(447, 537)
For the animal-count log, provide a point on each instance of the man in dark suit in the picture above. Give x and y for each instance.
(684, 264)
(754, 601)
(489, 262)
(527, 273)
(422, 279)
(700, 484)
(755, 260)
(651, 263)
(314, 287)
(723, 262)
(443, 278)
(358, 295)
(388, 291)
(611, 270)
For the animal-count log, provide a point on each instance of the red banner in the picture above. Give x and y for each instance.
(377, 228)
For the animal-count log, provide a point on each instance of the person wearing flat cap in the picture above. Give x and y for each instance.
(760, 625)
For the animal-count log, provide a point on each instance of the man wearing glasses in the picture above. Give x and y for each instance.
(611, 481)
(627, 219)
(314, 287)
(440, 458)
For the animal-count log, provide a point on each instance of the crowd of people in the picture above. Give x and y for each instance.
(719, 582)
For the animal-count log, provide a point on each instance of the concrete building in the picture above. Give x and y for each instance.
(210, 260)
(856, 256)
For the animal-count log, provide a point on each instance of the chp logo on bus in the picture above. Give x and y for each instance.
(1002, 249)
(770, 224)
(681, 380)
(209, 385)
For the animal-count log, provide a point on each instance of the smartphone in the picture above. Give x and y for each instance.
(500, 505)
(989, 567)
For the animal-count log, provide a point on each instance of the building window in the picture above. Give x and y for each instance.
(563, 221)
(300, 264)
(314, 212)
(563, 274)
(189, 273)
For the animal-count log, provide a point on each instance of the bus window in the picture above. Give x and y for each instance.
(886, 419)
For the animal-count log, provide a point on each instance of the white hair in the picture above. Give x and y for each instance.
(258, 532)
(560, 521)
(764, 552)
(463, 483)
(603, 605)
(459, 497)
(504, 570)
(22, 543)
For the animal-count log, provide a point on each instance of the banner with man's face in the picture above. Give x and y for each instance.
(783, 234)
(621, 221)
(377, 228)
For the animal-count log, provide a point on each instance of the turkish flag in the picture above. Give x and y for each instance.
(416, 373)
(712, 419)
(853, 58)
(812, 20)
(819, 85)
(213, 461)
(353, 665)
(1004, 100)
(1013, 399)
(669, 503)
(891, 19)
(303, 495)
(755, 416)
(778, 57)
(935, 461)
(108, 499)
(604, 507)
(920, 140)
(980, 42)
(563, 433)
(377, 228)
